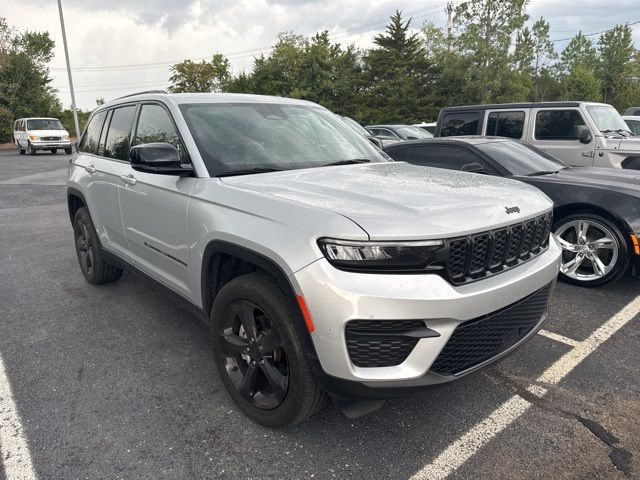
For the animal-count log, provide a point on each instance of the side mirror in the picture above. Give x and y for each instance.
(474, 167)
(583, 134)
(161, 158)
(376, 141)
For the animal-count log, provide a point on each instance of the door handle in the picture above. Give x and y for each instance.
(587, 154)
(128, 179)
(90, 169)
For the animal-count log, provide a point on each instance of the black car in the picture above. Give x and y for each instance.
(597, 210)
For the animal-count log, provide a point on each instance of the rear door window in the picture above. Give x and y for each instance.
(505, 124)
(558, 124)
(117, 139)
(463, 123)
(89, 142)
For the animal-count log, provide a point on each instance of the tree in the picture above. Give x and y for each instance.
(204, 76)
(615, 48)
(582, 85)
(579, 52)
(25, 88)
(484, 32)
(397, 76)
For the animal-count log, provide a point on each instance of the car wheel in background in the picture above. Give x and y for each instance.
(92, 263)
(54, 150)
(68, 151)
(259, 355)
(594, 251)
(32, 149)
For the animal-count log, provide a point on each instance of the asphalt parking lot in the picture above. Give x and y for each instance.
(118, 382)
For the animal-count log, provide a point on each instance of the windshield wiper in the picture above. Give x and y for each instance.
(248, 171)
(541, 172)
(347, 162)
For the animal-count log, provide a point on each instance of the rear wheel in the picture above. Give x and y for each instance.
(259, 355)
(92, 263)
(20, 149)
(594, 251)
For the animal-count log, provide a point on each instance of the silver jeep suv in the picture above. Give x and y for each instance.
(323, 268)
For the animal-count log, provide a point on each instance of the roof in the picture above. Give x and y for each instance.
(504, 106)
(182, 98)
(469, 139)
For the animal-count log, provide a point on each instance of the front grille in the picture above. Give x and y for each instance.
(51, 139)
(482, 254)
(476, 341)
(380, 343)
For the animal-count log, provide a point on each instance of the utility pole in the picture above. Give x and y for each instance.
(66, 56)
(449, 10)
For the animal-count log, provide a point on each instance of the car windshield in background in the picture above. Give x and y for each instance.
(254, 137)
(44, 124)
(521, 159)
(413, 133)
(607, 119)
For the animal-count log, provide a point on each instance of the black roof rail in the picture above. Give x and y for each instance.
(141, 93)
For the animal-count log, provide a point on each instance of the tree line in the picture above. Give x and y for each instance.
(490, 52)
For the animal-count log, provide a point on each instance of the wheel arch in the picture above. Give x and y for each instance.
(75, 201)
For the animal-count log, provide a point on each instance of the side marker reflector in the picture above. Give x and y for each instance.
(636, 245)
(305, 313)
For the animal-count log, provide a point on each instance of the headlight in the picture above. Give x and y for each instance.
(388, 256)
(65, 137)
(34, 138)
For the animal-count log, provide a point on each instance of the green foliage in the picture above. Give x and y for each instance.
(615, 49)
(582, 85)
(25, 89)
(580, 52)
(204, 76)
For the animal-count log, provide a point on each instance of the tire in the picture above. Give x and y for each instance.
(280, 387)
(613, 255)
(54, 150)
(92, 263)
(20, 149)
(32, 149)
(68, 151)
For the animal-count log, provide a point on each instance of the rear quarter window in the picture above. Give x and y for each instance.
(460, 123)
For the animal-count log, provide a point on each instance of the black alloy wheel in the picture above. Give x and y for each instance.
(255, 357)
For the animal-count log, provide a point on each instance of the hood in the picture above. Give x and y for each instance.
(49, 133)
(396, 200)
(606, 178)
(629, 144)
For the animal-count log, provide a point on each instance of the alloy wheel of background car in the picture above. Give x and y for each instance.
(593, 251)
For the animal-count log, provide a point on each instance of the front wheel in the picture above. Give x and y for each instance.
(259, 355)
(54, 150)
(594, 251)
(32, 149)
(68, 151)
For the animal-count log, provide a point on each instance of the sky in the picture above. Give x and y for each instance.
(118, 47)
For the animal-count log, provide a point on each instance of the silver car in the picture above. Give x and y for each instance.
(323, 269)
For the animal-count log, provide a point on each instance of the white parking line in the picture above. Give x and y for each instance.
(456, 454)
(14, 452)
(558, 338)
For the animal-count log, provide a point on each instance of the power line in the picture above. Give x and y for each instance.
(339, 34)
(594, 33)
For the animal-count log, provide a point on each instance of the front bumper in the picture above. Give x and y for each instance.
(62, 144)
(335, 297)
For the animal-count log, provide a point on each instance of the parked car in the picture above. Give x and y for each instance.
(380, 142)
(321, 266)
(632, 111)
(398, 132)
(633, 123)
(33, 134)
(581, 134)
(597, 210)
(429, 127)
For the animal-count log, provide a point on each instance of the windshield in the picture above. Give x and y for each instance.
(241, 137)
(607, 119)
(413, 132)
(356, 126)
(520, 158)
(44, 124)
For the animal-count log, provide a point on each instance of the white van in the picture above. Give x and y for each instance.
(35, 134)
(578, 133)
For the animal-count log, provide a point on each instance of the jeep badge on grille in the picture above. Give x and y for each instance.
(515, 209)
